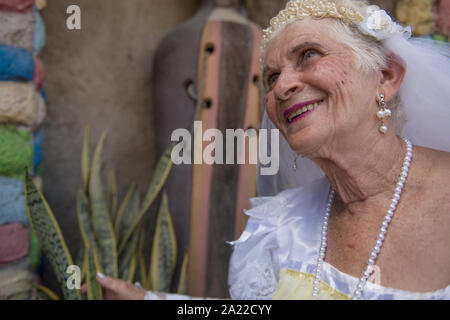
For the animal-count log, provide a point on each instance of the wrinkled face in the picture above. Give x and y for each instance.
(315, 93)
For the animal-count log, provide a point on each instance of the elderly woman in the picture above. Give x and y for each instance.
(334, 73)
(362, 213)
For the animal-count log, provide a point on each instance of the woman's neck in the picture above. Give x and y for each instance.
(363, 168)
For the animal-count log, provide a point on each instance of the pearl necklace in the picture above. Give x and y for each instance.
(379, 242)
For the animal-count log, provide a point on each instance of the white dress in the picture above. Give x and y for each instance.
(276, 254)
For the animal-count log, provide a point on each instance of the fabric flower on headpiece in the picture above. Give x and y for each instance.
(379, 24)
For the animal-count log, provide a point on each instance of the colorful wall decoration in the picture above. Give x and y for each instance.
(22, 112)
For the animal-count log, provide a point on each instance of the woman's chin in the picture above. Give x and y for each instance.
(305, 142)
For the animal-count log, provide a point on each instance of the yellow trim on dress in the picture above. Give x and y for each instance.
(297, 285)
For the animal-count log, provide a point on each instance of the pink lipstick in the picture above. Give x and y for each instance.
(300, 110)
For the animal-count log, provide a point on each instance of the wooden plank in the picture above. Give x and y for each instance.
(202, 174)
(247, 172)
(233, 91)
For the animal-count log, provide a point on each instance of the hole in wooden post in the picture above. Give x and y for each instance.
(207, 103)
(209, 48)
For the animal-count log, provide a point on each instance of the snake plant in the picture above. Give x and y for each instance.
(113, 238)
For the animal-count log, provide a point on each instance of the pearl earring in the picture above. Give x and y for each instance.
(383, 113)
(294, 167)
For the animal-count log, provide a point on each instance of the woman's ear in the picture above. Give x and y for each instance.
(392, 77)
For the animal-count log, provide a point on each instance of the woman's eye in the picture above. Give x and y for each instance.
(273, 78)
(309, 54)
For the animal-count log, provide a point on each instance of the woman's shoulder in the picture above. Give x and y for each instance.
(433, 172)
(438, 160)
(429, 195)
(428, 209)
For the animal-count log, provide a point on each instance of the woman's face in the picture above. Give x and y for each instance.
(315, 93)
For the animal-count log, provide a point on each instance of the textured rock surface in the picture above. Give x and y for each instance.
(41, 112)
(16, 64)
(17, 29)
(17, 103)
(16, 280)
(14, 243)
(37, 151)
(16, 5)
(39, 73)
(12, 202)
(39, 32)
(40, 4)
(16, 151)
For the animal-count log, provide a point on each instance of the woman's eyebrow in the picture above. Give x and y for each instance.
(303, 45)
(293, 51)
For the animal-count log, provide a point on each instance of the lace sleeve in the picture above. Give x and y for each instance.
(254, 264)
(257, 281)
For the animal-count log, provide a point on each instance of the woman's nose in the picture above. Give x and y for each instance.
(287, 86)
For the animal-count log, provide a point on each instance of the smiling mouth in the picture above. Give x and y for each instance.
(300, 110)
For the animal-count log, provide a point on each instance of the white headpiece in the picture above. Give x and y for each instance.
(424, 93)
(370, 20)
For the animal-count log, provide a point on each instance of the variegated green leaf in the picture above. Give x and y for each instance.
(80, 259)
(94, 290)
(87, 234)
(112, 194)
(164, 250)
(84, 222)
(49, 235)
(142, 266)
(159, 178)
(141, 263)
(84, 266)
(132, 269)
(101, 221)
(44, 293)
(125, 258)
(128, 211)
(86, 158)
(183, 282)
